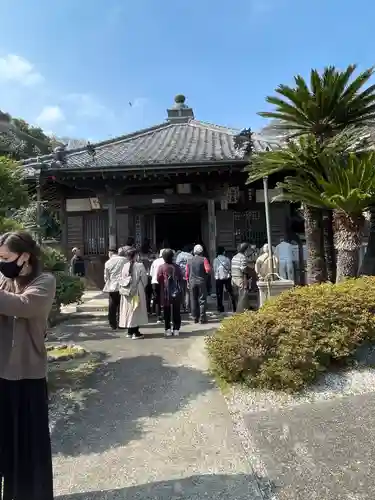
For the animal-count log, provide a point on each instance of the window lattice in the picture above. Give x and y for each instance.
(245, 231)
(95, 233)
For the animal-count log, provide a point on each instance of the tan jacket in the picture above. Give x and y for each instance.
(23, 322)
(113, 273)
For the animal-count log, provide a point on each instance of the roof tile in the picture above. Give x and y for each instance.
(166, 144)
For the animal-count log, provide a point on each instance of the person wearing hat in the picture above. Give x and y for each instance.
(112, 279)
(198, 271)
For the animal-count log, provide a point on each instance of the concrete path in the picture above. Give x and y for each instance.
(149, 424)
(319, 451)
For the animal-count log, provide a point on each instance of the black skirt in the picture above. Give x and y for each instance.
(25, 444)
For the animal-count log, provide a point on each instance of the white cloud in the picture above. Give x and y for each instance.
(17, 69)
(86, 105)
(30, 95)
(50, 115)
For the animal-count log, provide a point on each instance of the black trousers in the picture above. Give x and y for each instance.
(198, 301)
(25, 444)
(134, 330)
(157, 300)
(173, 312)
(220, 286)
(113, 308)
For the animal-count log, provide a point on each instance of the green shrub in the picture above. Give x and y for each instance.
(69, 289)
(7, 224)
(296, 336)
(53, 260)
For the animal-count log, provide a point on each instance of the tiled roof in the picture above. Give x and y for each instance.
(166, 144)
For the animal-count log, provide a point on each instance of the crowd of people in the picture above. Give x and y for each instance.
(141, 284)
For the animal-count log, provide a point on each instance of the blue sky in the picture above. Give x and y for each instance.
(73, 66)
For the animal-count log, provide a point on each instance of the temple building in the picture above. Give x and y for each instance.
(179, 182)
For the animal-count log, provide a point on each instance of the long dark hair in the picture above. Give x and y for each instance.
(131, 254)
(22, 242)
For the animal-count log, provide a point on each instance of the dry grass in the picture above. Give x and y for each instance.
(72, 374)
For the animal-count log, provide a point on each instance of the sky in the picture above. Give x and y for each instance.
(99, 69)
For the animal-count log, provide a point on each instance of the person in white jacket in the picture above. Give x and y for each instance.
(112, 278)
(155, 285)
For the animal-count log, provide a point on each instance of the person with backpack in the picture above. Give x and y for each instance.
(223, 279)
(170, 281)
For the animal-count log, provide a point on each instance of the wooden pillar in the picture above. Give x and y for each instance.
(63, 219)
(112, 229)
(211, 229)
(211, 235)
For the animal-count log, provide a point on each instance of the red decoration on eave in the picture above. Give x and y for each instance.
(52, 178)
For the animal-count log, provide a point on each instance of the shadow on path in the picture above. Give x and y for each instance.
(83, 328)
(106, 412)
(200, 487)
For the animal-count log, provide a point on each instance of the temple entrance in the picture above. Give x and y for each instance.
(175, 230)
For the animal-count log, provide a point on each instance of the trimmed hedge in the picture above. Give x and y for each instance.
(295, 337)
(69, 289)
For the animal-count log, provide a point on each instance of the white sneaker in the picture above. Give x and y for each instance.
(176, 333)
(168, 333)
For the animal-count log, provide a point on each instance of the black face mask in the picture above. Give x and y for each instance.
(10, 269)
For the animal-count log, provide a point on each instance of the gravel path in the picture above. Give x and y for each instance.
(149, 424)
(317, 445)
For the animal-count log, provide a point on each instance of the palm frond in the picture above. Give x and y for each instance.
(332, 102)
(346, 183)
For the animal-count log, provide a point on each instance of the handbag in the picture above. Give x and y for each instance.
(127, 288)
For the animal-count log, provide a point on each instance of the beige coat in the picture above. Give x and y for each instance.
(131, 316)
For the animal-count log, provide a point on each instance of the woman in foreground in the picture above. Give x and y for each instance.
(26, 297)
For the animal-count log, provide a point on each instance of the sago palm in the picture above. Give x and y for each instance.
(301, 157)
(296, 157)
(346, 185)
(331, 102)
(323, 106)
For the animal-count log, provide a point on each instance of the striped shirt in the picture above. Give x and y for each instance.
(239, 265)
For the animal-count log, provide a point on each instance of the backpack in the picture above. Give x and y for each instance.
(172, 288)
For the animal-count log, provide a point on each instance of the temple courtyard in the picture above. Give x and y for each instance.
(149, 422)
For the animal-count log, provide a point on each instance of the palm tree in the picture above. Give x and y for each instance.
(332, 101)
(329, 178)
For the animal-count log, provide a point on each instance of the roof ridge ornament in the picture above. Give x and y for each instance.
(180, 112)
(59, 156)
(244, 143)
(91, 149)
